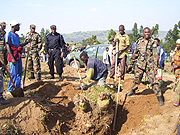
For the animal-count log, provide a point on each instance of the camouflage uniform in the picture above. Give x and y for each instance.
(35, 47)
(3, 50)
(147, 61)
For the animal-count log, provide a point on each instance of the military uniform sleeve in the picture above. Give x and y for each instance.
(39, 42)
(89, 75)
(27, 37)
(134, 56)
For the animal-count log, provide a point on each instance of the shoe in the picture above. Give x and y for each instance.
(81, 88)
(60, 78)
(32, 76)
(51, 77)
(160, 99)
(132, 92)
(39, 77)
(176, 103)
(4, 101)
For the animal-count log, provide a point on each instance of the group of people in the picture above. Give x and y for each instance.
(148, 58)
(11, 51)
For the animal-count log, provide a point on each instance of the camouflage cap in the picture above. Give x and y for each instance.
(32, 26)
(3, 23)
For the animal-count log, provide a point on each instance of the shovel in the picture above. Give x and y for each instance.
(17, 92)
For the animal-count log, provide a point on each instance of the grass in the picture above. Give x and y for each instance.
(93, 93)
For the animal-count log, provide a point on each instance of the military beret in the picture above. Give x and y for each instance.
(33, 26)
(53, 26)
(3, 23)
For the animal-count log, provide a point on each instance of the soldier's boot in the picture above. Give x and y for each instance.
(132, 92)
(32, 76)
(39, 76)
(160, 99)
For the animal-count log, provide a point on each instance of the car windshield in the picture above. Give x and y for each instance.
(91, 49)
(101, 49)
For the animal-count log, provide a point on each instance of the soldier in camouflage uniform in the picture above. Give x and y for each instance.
(3, 53)
(35, 47)
(3, 50)
(147, 61)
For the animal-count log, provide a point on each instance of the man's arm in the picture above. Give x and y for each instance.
(39, 42)
(62, 43)
(11, 55)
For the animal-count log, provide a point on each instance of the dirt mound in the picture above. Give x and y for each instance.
(24, 114)
(48, 108)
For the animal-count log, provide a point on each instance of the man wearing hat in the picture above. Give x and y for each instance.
(54, 48)
(3, 50)
(35, 47)
(14, 49)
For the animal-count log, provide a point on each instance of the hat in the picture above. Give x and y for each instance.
(32, 26)
(14, 22)
(178, 41)
(53, 26)
(3, 23)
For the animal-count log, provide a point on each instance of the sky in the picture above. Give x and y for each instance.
(87, 15)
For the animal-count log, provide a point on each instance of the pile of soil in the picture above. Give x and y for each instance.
(48, 108)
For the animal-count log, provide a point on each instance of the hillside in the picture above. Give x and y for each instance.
(101, 35)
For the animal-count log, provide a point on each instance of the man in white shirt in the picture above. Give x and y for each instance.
(106, 59)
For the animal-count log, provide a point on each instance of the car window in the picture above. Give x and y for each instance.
(101, 49)
(91, 49)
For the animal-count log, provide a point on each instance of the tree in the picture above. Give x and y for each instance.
(155, 31)
(141, 30)
(111, 35)
(91, 40)
(171, 38)
(43, 34)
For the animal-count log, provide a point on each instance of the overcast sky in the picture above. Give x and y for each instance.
(86, 15)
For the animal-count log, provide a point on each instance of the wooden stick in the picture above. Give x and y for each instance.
(28, 49)
(7, 72)
(77, 69)
(119, 86)
(116, 62)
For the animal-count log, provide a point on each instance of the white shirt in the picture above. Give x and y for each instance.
(105, 57)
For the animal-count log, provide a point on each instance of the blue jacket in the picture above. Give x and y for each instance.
(161, 54)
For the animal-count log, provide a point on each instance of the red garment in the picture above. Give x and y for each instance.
(16, 51)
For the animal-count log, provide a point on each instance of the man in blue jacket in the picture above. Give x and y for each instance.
(96, 70)
(161, 54)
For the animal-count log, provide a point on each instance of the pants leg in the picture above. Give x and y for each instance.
(16, 75)
(137, 77)
(58, 62)
(152, 79)
(1, 84)
(37, 65)
(51, 63)
(30, 61)
(102, 80)
(123, 66)
(112, 72)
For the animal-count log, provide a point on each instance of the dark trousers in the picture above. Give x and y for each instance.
(55, 54)
(122, 62)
